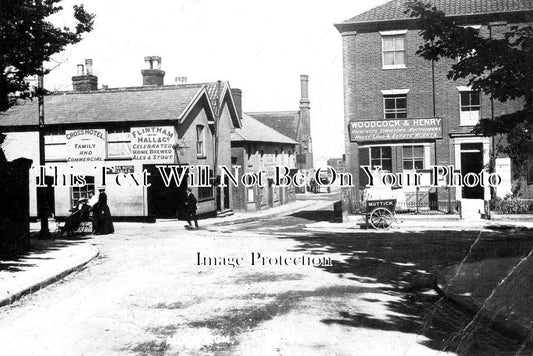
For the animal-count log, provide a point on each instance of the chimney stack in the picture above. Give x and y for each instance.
(304, 86)
(85, 80)
(152, 74)
(237, 99)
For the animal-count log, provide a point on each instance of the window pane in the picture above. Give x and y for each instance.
(388, 43)
(375, 152)
(407, 151)
(408, 164)
(465, 98)
(399, 57)
(386, 152)
(119, 149)
(386, 165)
(418, 151)
(388, 58)
(401, 103)
(419, 164)
(474, 98)
(399, 42)
(390, 103)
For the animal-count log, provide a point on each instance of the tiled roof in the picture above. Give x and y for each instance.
(116, 105)
(254, 131)
(285, 122)
(394, 10)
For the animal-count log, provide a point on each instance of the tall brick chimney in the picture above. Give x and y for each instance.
(84, 80)
(237, 99)
(152, 74)
(304, 135)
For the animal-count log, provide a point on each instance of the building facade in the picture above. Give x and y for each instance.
(257, 147)
(402, 113)
(117, 138)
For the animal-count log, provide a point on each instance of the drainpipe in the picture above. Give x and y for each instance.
(217, 120)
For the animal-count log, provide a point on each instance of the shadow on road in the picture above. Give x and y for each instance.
(406, 263)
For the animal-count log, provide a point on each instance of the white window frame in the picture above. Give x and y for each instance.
(468, 117)
(395, 33)
(396, 112)
(200, 141)
(57, 140)
(127, 133)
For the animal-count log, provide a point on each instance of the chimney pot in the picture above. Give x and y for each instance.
(80, 69)
(153, 75)
(237, 99)
(89, 66)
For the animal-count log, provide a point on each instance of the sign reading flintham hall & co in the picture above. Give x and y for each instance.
(396, 129)
(153, 143)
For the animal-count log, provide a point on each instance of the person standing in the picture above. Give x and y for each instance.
(102, 215)
(190, 208)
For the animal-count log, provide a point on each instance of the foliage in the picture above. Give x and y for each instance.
(511, 205)
(27, 40)
(500, 67)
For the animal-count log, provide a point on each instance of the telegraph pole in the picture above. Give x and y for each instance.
(41, 191)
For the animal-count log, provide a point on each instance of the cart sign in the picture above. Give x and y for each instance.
(397, 129)
(86, 145)
(153, 143)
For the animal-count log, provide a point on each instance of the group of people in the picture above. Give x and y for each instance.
(101, 214)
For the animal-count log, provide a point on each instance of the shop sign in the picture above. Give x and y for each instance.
(87, 145)
(503, 169)
(153, 143)
(120, 169)
(394, 130)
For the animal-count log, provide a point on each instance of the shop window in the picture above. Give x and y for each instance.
(87, 191)
(470, 108)
(395, 106)
(413, 157)
(118, 143)
(200, 141)
(393, 50)
(205, 193)
(55, 145)
(382, 157)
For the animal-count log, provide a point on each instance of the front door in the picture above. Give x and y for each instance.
(165, 202)
(472, 162)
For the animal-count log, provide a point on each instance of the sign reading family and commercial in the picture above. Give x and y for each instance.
(153, 143)
(87, 145)
(397, 129)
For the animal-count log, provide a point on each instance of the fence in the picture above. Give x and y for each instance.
(511, 206)
(420, 201)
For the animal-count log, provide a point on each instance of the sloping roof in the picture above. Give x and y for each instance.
(116, 105)
(285, 122)
(394, 10)
(254, 131)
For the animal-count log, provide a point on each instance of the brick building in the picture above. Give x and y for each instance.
(294, 124)
(127, 131)
(402, 113)
(257, 147)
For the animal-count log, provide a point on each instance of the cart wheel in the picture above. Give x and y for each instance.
(381, 218)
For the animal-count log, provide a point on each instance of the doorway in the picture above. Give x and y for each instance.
(165, 202)
(472, 162)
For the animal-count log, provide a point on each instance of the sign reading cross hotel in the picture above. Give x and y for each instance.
(397, 129)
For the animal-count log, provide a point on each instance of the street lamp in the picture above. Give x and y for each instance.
(178, 146)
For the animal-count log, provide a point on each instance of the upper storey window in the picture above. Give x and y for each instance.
(470, 106)
(393, 49)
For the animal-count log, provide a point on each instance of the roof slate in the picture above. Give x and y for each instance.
(253, 130)
(394, 10)
(116, 105)
(285, 122)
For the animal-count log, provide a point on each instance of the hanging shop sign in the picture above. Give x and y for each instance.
(87, 145)
(153, 143)
(395, 130)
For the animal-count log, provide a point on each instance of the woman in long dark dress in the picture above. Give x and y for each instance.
(102, 215)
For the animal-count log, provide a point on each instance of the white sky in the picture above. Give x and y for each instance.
(261, 47)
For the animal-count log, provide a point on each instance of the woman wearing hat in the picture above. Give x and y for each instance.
(102, 215)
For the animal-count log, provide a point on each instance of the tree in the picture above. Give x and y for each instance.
(500, 67)
(28, 39)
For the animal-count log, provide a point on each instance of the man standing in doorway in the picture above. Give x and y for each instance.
(190, 207)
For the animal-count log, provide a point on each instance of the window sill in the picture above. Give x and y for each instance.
(205, 199)
(399, 66)
(201, 157)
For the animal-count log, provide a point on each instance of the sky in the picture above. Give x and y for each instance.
(261, 47)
